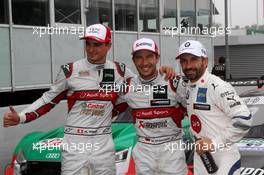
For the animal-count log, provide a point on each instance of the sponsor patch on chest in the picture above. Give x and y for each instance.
(108, 76)
(93, 109)
(153, 125)
(198, 106)
(84, 73)
(160, 102)
(201, 95)
(160, 92)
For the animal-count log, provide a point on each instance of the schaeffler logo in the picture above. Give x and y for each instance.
(144, 44)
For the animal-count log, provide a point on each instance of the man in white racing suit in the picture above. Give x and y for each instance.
(218, 117)
(156, 110)
(88, 123)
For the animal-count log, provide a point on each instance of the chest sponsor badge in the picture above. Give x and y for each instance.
(93, 109)
(204, 107)
(196, 123)
(153, 125)
(108, 76)
(84, 73)
(201, 95)
(160, 102)
(160, 92)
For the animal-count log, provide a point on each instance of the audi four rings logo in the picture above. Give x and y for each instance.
(52, 155)
(187, 44)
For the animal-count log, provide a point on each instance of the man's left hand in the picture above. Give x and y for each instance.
(169, 71)
(203, 145)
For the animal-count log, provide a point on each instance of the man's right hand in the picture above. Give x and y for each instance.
(11, 118)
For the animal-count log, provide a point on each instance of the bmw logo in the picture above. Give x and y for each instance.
(188, 95)
(187, 44)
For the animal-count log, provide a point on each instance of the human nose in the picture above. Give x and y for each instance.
(145, 61)
(187, 64)
(89, 48)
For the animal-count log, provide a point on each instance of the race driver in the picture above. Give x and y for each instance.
(155, 107)
(89, 116)
(218, 117)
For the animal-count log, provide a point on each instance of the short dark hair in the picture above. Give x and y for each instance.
(221, 60)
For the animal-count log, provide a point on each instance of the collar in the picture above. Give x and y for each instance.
(95, 66)
(201, 81)
(152, 81)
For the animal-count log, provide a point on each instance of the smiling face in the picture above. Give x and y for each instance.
(145, 62)
(192, 66)
(96, 51)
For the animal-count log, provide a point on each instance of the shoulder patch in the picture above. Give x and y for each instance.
(121, 68)
(67, 69)
(185, 79)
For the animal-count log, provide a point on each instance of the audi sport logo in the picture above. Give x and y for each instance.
(52, 156)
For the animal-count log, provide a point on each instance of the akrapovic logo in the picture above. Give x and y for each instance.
(153, 125)
(252, 171)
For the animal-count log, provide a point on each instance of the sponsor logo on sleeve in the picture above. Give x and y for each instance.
(235, 102)
(214, 85)
(227, 93)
